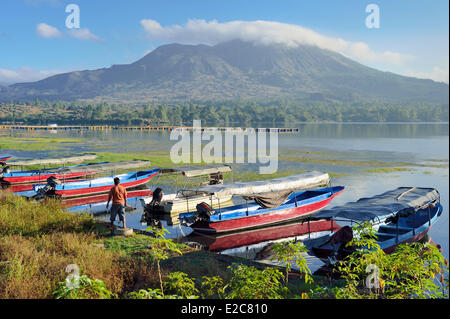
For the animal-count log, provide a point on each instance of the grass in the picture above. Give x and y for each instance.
(21, 217)
(39, 240)
(157, 159)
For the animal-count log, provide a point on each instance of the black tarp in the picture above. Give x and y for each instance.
(402, 199)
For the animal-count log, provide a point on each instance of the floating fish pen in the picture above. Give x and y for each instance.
(144, 128)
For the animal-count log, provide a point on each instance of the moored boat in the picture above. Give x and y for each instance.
(93, 186)
(4, 158)
(272, 202)
(41, 175)
(100, 198)
(296, 231)
(399, 216)
(187, 199)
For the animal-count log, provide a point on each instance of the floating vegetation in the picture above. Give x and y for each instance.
(36, 143)
(342, 162)
(387, 170)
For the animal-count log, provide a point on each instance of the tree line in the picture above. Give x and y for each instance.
(218, 113)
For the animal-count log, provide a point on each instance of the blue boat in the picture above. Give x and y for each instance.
(399, 216)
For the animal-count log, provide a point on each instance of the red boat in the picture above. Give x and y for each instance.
(16, 188)
(71, 202)
(94, 186)
(272, 202)
(4, 158)
(255, 236)
(41, 175)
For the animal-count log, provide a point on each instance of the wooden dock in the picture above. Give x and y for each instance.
(140, 128)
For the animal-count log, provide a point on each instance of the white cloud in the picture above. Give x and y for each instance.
(47, 31)
(438, 74)
(266, 32)
(84, 34)
(24, 74)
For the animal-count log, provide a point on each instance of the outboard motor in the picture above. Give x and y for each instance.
(5, 170)
(339, 240)
(157, 197)
(153, 208)
(204, 211)
(48, 188)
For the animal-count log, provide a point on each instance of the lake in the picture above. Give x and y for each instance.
(366, 158)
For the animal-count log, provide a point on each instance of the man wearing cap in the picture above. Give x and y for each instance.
(118, 194)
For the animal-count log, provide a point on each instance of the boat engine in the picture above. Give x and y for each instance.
(48, 189)
(5, 170)
(338, 241)
(153, 209)
(204, 211)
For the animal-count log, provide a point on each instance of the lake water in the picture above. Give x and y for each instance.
(421, 148)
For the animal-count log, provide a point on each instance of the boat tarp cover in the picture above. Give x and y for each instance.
(55, 161)
(293, 182)
(402, 199)
(270, 200)
(102, 167)
(194, 171)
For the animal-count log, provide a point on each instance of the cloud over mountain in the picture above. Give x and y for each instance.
(265, 32)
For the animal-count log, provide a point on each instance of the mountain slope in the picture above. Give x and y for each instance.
(231, 70)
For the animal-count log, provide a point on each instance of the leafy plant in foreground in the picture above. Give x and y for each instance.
(180, 283)
(248, 282)
(82, 287)
(161, 250)
(288, 252)
(408, 272)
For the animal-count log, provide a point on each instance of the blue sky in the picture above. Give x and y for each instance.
(34, 41)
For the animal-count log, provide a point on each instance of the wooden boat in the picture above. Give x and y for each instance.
(100, 198)
(93, 186)
(403, 215)
(78, 159)
(41, 175)
(19, 188)
(187, 199)
(269, 208)
(4, 158)
(296, 230)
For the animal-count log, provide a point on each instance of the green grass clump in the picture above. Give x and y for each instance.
(18, 216)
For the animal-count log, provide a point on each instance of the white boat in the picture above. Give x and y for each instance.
(187, 199)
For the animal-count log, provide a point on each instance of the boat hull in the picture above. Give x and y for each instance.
(43, 178)
(61, 191)
(78, 201)
(272, 217)
(255, 236)
(415, 234)
(16, 188)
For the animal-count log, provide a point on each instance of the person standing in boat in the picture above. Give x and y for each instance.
(118, 194)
